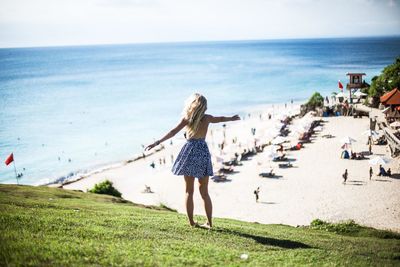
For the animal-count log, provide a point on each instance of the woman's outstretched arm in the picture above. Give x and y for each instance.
(218, 119)
(170, 134)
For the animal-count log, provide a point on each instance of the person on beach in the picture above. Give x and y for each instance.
(371, 172)
(345, 176)
(256, 193)
(382, 171)
(194, 159)
(369, 143)
(153, 165)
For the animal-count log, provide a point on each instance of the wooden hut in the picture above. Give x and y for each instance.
(391, 98)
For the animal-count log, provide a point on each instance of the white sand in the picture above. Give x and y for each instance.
(312, 189)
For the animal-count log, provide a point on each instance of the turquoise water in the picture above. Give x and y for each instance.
(98, 104)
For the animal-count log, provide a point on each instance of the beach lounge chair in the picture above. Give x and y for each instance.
(298, 146)
(285, 165)
(281, 158)
(225, 169)
(267, 175)
(219, 178)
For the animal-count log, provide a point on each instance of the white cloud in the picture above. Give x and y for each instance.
(51, 22)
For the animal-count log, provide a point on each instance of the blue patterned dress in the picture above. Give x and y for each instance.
(194, 159)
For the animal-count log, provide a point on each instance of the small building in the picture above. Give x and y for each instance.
(391, 98)
(355, 82)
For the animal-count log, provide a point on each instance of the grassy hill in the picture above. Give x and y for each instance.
(54, 227)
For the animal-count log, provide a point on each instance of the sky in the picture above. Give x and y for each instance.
(25, 23)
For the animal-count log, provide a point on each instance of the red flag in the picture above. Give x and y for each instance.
(9, 159)
(340, 86)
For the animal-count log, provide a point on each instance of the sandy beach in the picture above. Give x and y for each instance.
(312, 188)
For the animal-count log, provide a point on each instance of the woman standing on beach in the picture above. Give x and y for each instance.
(194, 159)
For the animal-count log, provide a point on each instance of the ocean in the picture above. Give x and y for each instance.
(68, 109)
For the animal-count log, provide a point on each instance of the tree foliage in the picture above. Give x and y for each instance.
(388, 80)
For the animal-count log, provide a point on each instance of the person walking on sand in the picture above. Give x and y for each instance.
(257, 192)
(345, 175)
(370, 148)
(194, 159)
(371, 172)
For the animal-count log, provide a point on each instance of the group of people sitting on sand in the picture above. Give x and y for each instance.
(352, 155)
(357, 156)
(381, 141)
(383, 172)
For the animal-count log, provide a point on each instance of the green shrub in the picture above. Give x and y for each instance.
(339, 228)
(316, 223)
(316, 100)
(105, 188)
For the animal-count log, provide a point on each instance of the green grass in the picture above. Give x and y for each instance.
(42, 226)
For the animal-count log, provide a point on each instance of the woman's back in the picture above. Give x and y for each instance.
(203, 128)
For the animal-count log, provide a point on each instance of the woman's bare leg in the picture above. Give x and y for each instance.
(203, 188)
(189, 180)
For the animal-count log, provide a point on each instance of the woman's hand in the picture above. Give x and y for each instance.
(235, 118)
(152, 145)
(149, 147)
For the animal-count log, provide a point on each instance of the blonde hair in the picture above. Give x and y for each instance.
(195, 107)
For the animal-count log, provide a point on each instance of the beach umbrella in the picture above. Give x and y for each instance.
(270, 153)
(395, 124)
(359, 94)
(378, 160)
(278, 140)
(347, 140)
(371, 133)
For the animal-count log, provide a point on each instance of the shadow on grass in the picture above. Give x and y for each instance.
(269, 241)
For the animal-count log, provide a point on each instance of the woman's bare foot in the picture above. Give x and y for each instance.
(206, 226)
(195, 224)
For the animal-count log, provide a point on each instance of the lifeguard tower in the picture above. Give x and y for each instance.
(355, 82)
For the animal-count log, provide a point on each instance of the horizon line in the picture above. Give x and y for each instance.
(203, 41)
